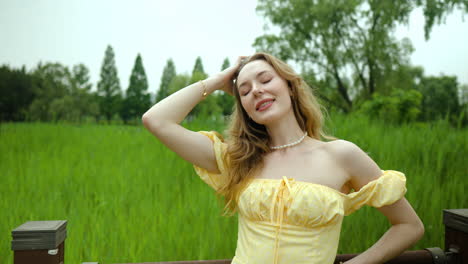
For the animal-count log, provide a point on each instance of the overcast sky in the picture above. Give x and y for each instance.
(78, 31)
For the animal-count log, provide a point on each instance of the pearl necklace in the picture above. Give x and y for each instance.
(291, 144)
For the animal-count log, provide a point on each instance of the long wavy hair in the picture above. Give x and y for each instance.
(248, 141)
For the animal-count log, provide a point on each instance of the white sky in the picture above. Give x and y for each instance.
(78, 31)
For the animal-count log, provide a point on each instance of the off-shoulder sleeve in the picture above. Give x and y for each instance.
(385, 190)
(215, 180)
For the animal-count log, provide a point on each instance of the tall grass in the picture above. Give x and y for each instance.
(128, 199)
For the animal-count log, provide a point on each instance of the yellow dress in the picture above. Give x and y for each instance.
(288, 221)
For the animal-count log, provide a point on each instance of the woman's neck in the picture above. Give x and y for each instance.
(284, 131)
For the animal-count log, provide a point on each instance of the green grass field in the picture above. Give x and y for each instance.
(128, 199)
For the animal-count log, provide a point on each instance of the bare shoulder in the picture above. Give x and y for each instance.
(343, 150)
(356, 162)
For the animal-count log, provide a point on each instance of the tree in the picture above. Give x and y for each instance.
(198, 71)
(83, 99)
(51, 84)
(463, 96)
(169, 73)
(16, 93)
(109, 90)
(226, 64)
(435, 11)
(178, 82)
(463, 99)
(61, 94)
(208, 107)
(137, 99)
(225, 101)
(401, 106)
(51, 92)
(347, 45)
(81, 77)
(440, 98)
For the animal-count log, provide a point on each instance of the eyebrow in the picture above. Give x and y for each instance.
(256, 76)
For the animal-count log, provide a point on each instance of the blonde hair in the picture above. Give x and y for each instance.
(248, 141)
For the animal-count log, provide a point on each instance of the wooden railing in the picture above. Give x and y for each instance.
(42, 242)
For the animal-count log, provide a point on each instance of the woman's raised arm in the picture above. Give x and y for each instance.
(163, 120)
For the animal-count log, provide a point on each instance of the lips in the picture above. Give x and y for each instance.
(257, 106)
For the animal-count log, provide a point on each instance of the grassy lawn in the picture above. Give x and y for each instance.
(128, 199)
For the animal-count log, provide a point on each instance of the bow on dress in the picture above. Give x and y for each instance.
(279, 197)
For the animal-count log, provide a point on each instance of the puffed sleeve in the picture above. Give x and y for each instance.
(385, 190)
(215, 180)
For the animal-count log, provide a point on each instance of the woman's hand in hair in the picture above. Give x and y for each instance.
(229, 74)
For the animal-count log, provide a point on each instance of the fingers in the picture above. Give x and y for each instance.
(240, 59)
(229, 75)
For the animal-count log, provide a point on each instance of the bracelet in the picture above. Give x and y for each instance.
(204, 89)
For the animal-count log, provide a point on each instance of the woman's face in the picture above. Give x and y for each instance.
(265, 96)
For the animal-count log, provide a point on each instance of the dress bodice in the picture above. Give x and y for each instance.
(289, 221)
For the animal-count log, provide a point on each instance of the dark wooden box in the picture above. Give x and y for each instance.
(456, 234)
(39, 242)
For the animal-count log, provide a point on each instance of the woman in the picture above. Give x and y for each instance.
(291, 189)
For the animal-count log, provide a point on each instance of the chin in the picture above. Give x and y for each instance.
(273, 117)
(265, 120)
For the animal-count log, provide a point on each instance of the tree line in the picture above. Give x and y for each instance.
(346, 50)
(53, 92)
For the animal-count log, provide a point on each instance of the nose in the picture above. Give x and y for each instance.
(257, 89)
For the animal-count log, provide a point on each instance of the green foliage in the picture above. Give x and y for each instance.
(401, 106)
(209, 107)
(197, 72)
(463, 95)
(16, 93)
(435, 11)
(169, 73)
(51, 85)
(81, 77)
(178, 82)
(440, 97)
(60, 109)
(51, 92)
(197, 69)
(224, 100)
(84, 101)
(324, 91)
(61, 94)
(109, 90)
(137, 99)
(226, 103)
(226, 64)
(463, 99)
(404, 77)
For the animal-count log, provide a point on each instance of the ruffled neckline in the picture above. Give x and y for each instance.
(306, 183)
(349, 195)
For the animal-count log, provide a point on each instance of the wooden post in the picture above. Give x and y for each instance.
(456, 235)
(39, 242)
